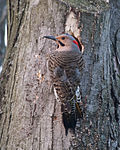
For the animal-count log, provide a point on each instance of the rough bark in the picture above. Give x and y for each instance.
(3, 21)
(30, 116)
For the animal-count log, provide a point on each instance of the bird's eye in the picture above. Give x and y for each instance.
(63, 38)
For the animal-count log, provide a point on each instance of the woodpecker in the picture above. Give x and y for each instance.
(65, 65)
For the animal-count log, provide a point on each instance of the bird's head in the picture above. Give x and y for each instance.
(65, 42)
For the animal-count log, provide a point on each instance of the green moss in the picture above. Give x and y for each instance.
(89, 5)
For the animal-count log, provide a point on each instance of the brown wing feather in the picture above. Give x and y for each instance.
(63, 68)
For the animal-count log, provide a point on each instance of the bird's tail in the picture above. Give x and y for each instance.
(69, 117)
(71, 110)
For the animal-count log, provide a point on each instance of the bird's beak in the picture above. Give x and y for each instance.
(50, 37)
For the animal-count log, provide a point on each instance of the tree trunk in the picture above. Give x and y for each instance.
(30, 116)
